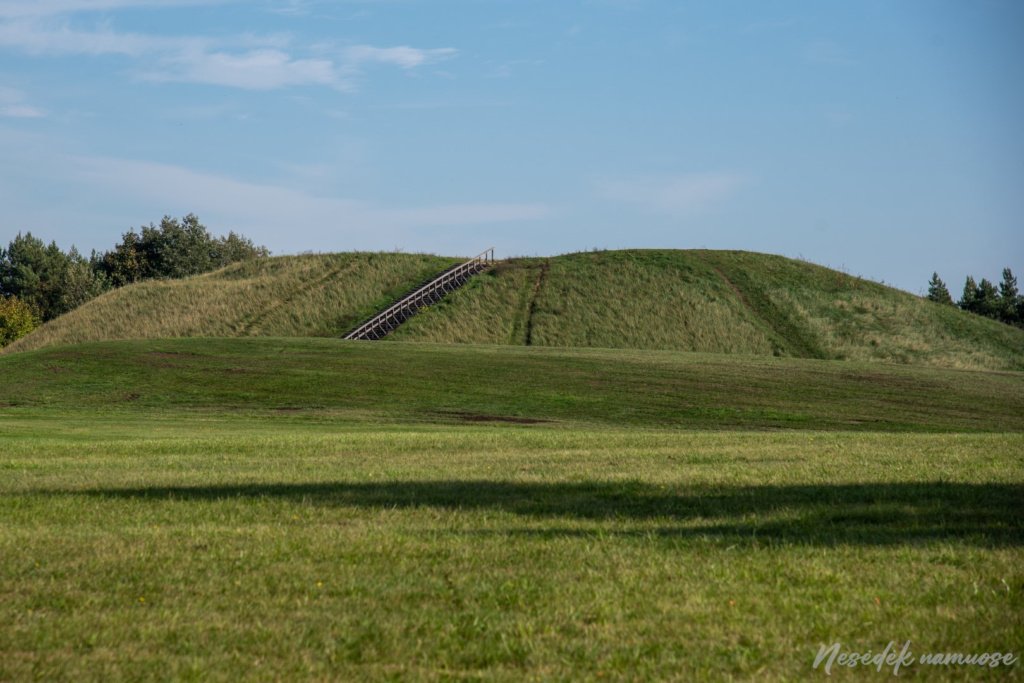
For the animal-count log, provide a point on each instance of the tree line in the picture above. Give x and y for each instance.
(1003, 303)
(39, 282)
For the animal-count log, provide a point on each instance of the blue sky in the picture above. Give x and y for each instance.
(882, 138)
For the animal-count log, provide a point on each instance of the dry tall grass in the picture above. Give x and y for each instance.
(289, 296)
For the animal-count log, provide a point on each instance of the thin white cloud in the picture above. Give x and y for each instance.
(21, 111)
(242, 61)
(677, 195)
(45, 8)
(403, 56)
(13, 104)
(291, 8)
(58, 38)
(265, 69)
(274, 214)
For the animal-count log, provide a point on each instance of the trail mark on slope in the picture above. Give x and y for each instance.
(541, 276)
(250, 324)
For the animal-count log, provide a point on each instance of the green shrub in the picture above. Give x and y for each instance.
(17, 318)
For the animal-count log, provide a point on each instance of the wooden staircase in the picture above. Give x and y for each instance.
(380, 325)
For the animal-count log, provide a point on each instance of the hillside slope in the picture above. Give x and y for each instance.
(697, 300)
(313, 295)
(714, 301)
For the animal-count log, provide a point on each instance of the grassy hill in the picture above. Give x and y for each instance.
(715, 301)
(710, 301)
(313, 295)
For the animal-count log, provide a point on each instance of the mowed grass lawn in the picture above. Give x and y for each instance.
(148, 534)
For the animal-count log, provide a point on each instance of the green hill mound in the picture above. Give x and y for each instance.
(714, 301)
(710, 301)
(313, 295)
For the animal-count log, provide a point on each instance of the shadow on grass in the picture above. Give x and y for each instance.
(868, 514)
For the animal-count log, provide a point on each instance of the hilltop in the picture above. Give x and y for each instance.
(696, 300)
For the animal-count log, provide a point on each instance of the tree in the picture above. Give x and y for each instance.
(123, 265)
(80, 282)
(17, 318)
(52, 282)
(987, 299)
(34, 272)
(174, 249)
(177, 248)
(969, 298)
(938, 292)
(1009, 299)
(235, 247)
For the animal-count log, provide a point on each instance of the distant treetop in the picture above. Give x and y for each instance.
(172, 250)
(50, 282)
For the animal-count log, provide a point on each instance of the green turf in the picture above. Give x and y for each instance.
(458, 383)
(158, 546)
(278, 509)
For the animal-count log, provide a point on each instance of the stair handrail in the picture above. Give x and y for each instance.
(483, 258)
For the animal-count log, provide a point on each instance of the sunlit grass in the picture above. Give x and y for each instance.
(268, 509)
(460, 383)
(150, 546)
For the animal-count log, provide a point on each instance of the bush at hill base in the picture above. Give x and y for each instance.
(16, 319)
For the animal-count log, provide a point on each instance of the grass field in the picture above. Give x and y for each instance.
(272, 509)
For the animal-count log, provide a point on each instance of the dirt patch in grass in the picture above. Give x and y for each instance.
(479, 417)
(171, 354)
(66, 355)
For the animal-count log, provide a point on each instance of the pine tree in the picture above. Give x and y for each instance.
(938, 292)
(987, 301)
(969, 298)
(33, 271)
(1009, 298)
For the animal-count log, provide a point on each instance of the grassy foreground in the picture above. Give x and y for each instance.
(276, 509)
(168, 548)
